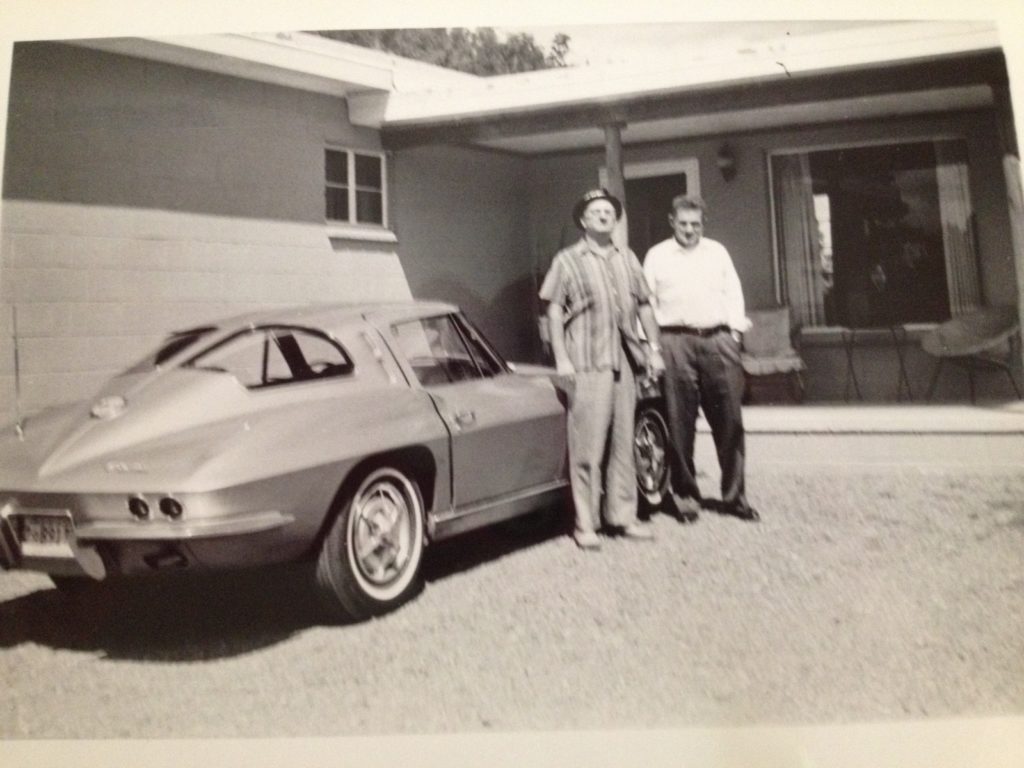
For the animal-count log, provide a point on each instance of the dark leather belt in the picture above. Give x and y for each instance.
(689, 330)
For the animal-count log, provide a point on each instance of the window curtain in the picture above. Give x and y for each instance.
(800, 262)
(957, 227)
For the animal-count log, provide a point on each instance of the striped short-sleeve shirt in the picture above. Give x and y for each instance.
(599, 296)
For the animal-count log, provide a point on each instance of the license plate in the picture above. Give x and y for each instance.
(46, 536)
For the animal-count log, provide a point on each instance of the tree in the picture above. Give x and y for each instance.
(477, 51)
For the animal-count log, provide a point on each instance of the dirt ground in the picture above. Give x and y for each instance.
(884, 583)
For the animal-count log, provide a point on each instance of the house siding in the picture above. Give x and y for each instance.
(462, 219)
(140, 198)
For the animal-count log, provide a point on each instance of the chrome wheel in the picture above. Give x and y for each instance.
(650, 451)
(382, 531)
(370, 560)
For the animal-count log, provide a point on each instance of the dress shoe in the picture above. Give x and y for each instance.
(687, 507)
(638, 532)
(743, 512)
(587, 540)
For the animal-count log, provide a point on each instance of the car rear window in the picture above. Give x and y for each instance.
(273, 355)
(171, 347)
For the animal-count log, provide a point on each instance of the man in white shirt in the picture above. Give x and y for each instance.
(698, 303)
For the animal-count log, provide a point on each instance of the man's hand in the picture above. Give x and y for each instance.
(564, 368)
(655, 362)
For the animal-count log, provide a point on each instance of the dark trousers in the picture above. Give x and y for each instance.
(705, 372)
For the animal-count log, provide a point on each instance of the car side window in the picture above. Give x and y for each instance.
(436, 351)
(269, 356)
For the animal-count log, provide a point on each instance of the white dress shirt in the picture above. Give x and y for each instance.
(697, 287)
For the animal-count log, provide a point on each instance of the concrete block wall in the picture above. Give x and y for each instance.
(90, 289)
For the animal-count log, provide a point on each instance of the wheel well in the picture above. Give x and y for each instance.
(415, 460)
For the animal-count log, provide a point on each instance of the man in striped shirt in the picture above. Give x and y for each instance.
(595, 293)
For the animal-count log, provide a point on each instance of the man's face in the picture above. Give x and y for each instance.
(687, 226)
(598, 217)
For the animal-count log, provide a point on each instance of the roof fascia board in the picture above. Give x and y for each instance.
(292, 59)
(570, 87)
(740, 121)
(976, 69)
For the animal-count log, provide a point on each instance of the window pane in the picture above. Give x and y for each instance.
(336, 166)
(861, 233)
(337, 204)
(435, 351)
(321, 357)
(243, 357)
(170, 347)
(368, 170)
(369, 207)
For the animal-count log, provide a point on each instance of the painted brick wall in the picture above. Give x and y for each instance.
(462, 223)
(142, 197)
(91, 289)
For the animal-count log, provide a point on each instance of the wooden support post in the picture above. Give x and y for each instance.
(616, 177)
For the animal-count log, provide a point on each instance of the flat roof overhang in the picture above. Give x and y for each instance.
(291, 59)
(943, 83)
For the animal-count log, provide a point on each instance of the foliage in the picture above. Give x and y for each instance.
(478, 51)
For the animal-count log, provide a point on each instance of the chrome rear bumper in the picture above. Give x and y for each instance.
(81, 557)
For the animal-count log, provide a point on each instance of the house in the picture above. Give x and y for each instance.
(152, 184)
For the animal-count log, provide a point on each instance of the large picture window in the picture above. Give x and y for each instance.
(876, 235)
(354, 187)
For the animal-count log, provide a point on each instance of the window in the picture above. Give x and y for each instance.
(171, 347)
(875, 235)
(275, 355)
(444, 350)
(354, 187)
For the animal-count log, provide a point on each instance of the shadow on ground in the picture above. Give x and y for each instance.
(196, 617)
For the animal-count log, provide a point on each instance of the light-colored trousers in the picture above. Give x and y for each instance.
(601, 414)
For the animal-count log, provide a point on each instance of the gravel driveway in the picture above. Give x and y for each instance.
(885, 582)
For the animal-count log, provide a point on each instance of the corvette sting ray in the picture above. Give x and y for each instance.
(348, 437)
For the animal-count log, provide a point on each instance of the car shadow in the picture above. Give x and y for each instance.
(167, 617)
(202, 616)
(469, 550)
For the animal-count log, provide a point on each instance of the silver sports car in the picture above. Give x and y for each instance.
(347, 436)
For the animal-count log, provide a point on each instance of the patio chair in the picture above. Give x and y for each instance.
(770, 362)
(985, 339)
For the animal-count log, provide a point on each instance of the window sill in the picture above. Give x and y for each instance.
(369, 234)
(835, 336)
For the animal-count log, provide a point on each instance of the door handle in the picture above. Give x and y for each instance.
(462, 418)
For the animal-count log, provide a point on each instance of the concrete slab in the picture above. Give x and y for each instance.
(895, 418)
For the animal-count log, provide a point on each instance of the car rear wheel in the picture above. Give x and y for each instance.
(650, 450)
(370, 560)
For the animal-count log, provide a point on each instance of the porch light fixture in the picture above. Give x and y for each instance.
(726, 162)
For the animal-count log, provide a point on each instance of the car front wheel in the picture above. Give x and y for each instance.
(650, 450)
(370, 560)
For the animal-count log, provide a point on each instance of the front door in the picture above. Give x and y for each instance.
(648, 202)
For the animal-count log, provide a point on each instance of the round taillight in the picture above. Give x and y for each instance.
(171, 507)
(138, 507)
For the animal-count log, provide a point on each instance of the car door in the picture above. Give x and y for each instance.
(507, 431)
